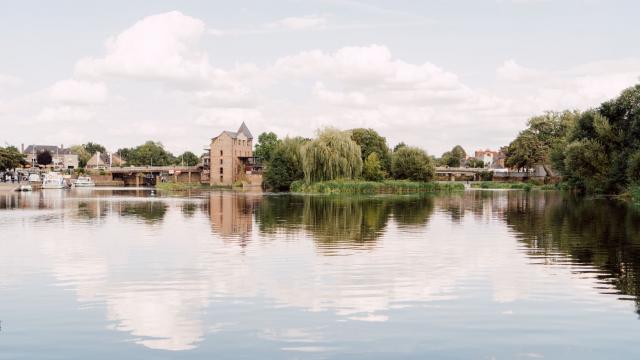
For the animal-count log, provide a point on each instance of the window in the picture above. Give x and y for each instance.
(221, 171)
(220, 152)
(221, 178)
(220, 161)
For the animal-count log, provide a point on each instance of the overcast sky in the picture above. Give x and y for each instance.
(431, 73)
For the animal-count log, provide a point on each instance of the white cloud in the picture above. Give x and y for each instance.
(161, 47)
(7, 80)
(64, 114)
(512, 71)
(77, 92)
(349, 99)
(300, 22)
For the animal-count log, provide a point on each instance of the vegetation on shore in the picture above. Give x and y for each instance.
(374, 187)
(595, 151)
(354, 161)
(176, 186)
(527, 186)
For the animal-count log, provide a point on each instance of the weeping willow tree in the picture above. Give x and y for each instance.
(332, 155)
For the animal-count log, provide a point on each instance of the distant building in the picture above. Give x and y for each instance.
(231, 157)
(490, 158)
(104, 160)
(60, 157)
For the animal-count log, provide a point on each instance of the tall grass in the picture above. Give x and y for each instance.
(373, 187)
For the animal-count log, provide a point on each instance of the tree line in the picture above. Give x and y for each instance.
(595, 151)
(357, 154)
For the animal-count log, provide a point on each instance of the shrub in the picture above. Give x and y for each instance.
(413, 164)
(372, 168)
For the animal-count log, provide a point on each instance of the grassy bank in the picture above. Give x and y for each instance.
(372, 187)
(516, 186)
(171, 186)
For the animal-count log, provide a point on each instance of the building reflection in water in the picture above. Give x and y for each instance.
(231, 215)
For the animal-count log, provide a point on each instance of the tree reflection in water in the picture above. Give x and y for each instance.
(149, 211)
(339, 221)
(601, 232)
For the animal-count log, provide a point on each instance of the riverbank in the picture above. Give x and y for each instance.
(373, 187)
(515, 186)
(171, 186)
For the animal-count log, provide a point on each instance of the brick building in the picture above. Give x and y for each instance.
(231, 157)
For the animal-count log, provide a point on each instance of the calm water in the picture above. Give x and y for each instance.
(118, 274)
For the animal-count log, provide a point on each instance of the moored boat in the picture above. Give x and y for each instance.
(53, 180)
(84, 181)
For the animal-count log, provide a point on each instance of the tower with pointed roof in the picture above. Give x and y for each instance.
(229, 153)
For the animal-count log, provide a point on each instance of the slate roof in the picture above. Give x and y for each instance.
(243, 129)
(53, 149)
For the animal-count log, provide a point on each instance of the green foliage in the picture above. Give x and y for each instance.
(266, 146)
(285, 166)
(486, 175)
(10, 158)
(94, 148)
(453, 158)
(187, 159)
(371, 142)
(332, 155)
(542, 141)
(633, 167)
(412, 164)
(399, 146)
(372, 168)
(149, 153)
(475, 163)
(44, 158)
(587, 165)
(374, 187)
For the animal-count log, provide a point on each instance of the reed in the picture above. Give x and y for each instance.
(374, 187)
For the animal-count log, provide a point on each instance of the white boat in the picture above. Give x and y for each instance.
(53, 180)
(34, 178)
(84, 181)
(26, 187)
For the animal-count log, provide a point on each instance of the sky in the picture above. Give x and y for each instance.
(430, 73)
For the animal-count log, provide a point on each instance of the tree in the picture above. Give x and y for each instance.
(413, 164)
(150, 153)
(372, 168)
(267, 143)
(94, 148)
(187, 159)
(83, 154)
(285, 166)
(44, 158)
(525, 151)
(10, 158)
(332, 155)
(399, 146)
(453, 158)
(475, 163)
(371, 142)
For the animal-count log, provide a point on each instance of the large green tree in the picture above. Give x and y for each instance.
(10, 158)
(413, 164)
(44, 158)
(267, 144)
(332, 155)
(453, 158)
(371, 142)
(149, 153)
(285, 166)
(187, 158)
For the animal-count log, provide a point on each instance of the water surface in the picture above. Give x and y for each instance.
(106, 273)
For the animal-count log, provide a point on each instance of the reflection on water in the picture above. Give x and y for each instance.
(222, 274)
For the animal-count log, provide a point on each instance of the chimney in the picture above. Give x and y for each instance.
(22, 148)
(61, 147)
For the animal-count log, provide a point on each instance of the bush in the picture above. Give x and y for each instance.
(372, 168)
(371, 187)
(285, 166)
(412, 164)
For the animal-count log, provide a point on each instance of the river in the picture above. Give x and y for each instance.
(124, 273)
